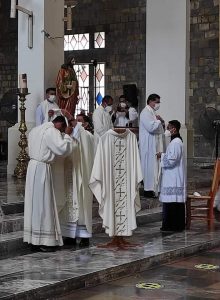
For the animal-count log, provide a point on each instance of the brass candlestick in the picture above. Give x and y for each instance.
(23, 158)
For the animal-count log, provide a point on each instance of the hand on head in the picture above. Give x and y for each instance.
(69, 130)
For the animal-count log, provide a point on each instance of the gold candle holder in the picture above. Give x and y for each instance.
(23, 158)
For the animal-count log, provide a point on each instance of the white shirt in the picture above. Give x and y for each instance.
(42, 111)
(173, 180)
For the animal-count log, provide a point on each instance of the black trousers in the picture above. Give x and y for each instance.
(173, 216)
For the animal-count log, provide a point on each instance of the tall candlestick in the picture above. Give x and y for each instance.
(23, 158)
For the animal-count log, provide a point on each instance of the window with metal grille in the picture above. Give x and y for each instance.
(99, 39)
(76, 42)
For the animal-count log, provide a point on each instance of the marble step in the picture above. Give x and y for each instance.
(11, 242)
(50, 275)
(14, 221)
(13, 208)
(18, 207)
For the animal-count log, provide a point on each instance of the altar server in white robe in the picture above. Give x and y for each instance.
(102, 119)
(41, 223)
(76, 217)
(45, 110)
(173, 181)
(151, 141)
(115, 182)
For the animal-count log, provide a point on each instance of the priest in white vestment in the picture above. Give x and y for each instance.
(115, 182)
(76, 217)
(151, 142)
(102, 120)
(41, 223)
(173, 181)
(45, 110)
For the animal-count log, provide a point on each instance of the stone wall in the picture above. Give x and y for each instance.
(204, 70)
(124, 23)
(8, 69)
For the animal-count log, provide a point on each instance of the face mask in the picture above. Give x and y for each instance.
(157, 106)
(52, 98)
(108, 108)
(167, 133)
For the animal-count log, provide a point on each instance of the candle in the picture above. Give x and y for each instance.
(22, 81)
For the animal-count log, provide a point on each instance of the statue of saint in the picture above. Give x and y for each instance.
(67, 87)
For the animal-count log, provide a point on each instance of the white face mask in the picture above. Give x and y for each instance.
(157, 106)
(122, 104)
(167, 133)
(108, 108)
(52, 98)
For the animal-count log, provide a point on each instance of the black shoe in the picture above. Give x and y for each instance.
(48, 248)
(34, 248)
(69, 241)
(84, 243)
(164, 229)
(149, 194)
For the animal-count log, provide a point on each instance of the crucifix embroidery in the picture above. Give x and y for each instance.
(120, 215)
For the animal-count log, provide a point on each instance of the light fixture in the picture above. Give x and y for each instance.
(69, 4)
(15, 7)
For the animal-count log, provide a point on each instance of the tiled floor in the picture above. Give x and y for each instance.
(177, 281)
(47, 275)
(43, 276)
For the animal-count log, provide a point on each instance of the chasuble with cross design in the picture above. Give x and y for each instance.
(115, 182)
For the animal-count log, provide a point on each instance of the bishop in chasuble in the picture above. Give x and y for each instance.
(114, 181)
(173, 181)
(76, 216)
(41, 222)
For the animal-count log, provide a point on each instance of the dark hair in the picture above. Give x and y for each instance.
(50, 89)
(152, 97)
(69, 59)
(84, 117)
(176, 124)
(106, 98)
(122, 96)
(60, 119)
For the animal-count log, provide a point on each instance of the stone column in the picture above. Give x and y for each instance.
(41, 63)
(167, 62)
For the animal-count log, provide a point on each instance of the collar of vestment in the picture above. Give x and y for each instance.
(148, 107)
(50, 101)
(177, 135)
(123, 134)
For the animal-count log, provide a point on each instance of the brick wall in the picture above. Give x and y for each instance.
(8, 67)
(204, 68)
(124, 23)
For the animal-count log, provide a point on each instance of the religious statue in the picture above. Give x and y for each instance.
(67, 87)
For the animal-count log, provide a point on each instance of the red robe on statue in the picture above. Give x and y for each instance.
(67, 89)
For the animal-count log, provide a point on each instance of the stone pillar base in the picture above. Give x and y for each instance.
(13, 148)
